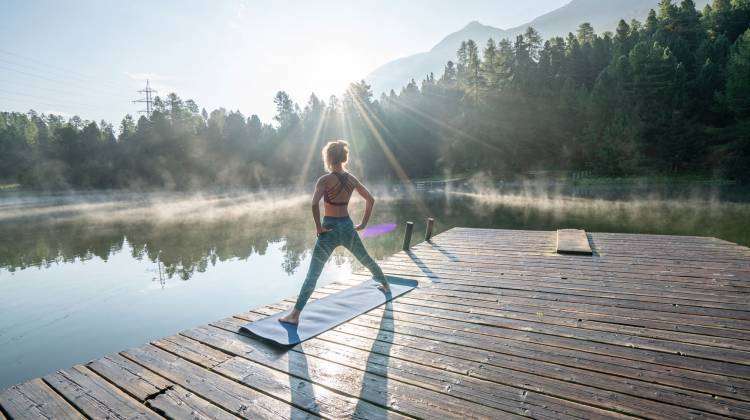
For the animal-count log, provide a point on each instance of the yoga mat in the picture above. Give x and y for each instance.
(328, 312)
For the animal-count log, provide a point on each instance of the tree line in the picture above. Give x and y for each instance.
(670, 95)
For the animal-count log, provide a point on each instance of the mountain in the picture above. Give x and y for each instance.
(602, 14)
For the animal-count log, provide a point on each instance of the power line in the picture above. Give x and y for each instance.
(35, 86)
(9, 96)
(39, 101)
(147, 100)
(47, 67)
(38, 76)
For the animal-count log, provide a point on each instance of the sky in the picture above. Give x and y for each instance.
(90, 57)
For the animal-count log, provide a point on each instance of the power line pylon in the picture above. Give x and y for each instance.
(148, 92)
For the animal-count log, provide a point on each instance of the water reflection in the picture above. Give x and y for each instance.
(184, 235)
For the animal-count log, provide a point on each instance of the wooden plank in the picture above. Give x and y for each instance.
(94, 396)
(154, 391)
(132, 378)
(572, 241)
(237, 399)
(35, 400)
(203, 356)
(179, 403)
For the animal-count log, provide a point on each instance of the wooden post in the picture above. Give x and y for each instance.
(428, 232)
(407, 235)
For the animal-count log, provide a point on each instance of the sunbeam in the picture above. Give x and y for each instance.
(314, 144)
(368, 117)
(442, 124)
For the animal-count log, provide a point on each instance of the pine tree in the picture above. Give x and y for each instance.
(586, 34)
(449, 75)
(285, 114)
(738, 80)
(462, 59)
(622, 38)
(127, 127)
(533, 42)
(474, 80)
(652, 23)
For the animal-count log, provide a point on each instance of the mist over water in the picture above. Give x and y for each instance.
(115, 270)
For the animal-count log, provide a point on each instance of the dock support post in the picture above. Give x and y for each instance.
(428, 232)
(407, 235)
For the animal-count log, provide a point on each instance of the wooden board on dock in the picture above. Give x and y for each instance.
(573, 241)
(34, 399)
(501, 327)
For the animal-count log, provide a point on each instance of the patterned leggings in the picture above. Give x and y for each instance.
(342, 233)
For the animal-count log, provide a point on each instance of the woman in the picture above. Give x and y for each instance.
(336, 188)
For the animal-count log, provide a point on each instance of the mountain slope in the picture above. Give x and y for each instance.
(602, 14)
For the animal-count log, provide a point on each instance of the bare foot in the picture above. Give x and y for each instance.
(385, 288)
(291, 318)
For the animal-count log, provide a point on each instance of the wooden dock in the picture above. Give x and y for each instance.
(501, 326)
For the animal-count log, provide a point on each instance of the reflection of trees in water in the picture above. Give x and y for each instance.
(183, 248)
(187, 246)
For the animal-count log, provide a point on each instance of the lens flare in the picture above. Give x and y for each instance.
(378, 230)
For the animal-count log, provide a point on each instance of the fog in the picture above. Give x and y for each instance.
(189, 231)
(155, 207)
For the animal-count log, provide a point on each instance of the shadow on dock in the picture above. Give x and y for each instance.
(377, 361)
(422, 266)
(303, 394)
(443, 251)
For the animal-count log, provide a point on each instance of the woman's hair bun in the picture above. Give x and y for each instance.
(335, 152)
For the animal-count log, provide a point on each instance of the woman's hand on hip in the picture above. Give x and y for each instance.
(323, 230)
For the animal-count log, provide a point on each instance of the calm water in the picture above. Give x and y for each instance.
(86, 275)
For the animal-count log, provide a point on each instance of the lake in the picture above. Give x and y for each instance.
(84, 275)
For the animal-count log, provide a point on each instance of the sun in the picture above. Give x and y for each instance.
(331, 67)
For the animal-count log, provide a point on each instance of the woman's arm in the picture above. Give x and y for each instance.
(317, 195)
(369, 203)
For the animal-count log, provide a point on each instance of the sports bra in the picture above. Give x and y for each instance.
(345, 184)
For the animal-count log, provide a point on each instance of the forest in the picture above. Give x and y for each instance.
(668, 96)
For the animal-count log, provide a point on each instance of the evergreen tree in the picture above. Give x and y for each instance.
(738, 80)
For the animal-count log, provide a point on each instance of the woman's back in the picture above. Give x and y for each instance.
(338, 188)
